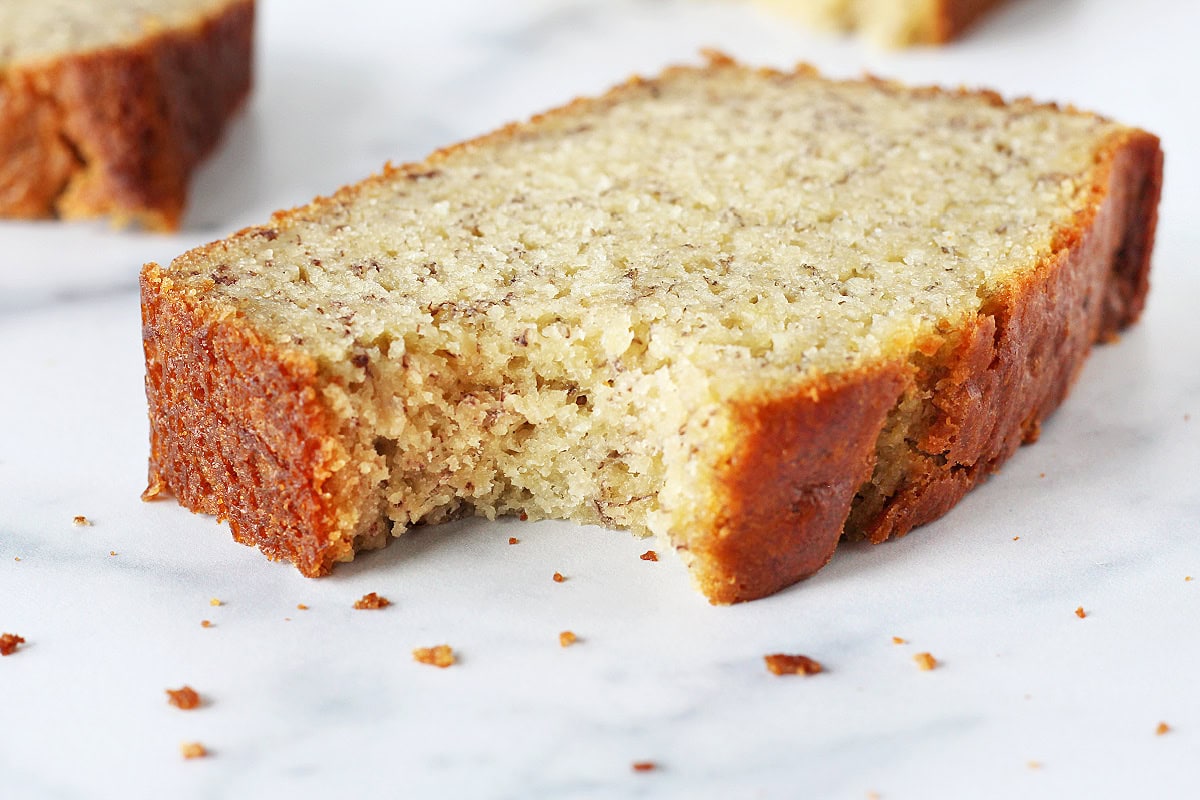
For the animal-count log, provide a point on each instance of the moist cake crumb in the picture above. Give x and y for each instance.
(215, 602)
(898, 640)
(438, 656)
(558, 577)
(9, 643)
(1079, 612)
(371, 600)
(193, 750)
(184, 698)
(81, 521)
(301, 607)
(204, 623)
(513, 540)
(925, 661)
(1162, 729)
(649, 555)
(783, 664)
(567, 638)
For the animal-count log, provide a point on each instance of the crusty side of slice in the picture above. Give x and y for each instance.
(117, 131)
(319, 382)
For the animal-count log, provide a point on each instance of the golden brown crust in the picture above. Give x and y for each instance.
(955, 16)
(238, 429)
(789, 485)
(118, 131)
(1016, 360)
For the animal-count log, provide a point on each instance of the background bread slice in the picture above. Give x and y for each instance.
(745, 311)
(107, 107)
(891, 23)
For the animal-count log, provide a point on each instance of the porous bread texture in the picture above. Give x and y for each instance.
(890, 23)
(106, 106)
(714, 307)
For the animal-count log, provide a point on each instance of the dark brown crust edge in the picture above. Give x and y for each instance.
(117, 132)
(790, 486)
(238, 429)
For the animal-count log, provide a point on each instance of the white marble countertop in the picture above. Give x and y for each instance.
(1028, 701)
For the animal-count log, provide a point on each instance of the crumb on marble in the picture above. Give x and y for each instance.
(558, 577)
(371, 600)
(567, 638)
(523, 517)
(192, 750)
(9, 642)
(784, 664)
(1162, 729)
(204, 623)
(925, 661)
(1034, 765)
(184, 698)
(301, 607)
(513, 540)
(1079, 612)
(438, 656)
(81, 521)
(1016, 538)
(16, 558)
(112, 552)
(649, 555)
(644, 766)
(1186, 578)
(215, 602)
(899, 640)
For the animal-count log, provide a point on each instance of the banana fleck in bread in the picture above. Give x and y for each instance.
(743, 310)
(106, 106)
(891, 23)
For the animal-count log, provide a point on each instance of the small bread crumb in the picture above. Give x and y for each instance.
(523, 517)
(9, 643)
(112, 552)
(1079, 612)
(1162, 729)
(649, 555)
(439, 656)
(192, 750)
(301, 606)
(1016, 538)
(898, 640)
(513, 540)
(925, 661)
(81, 521)
(644, 766)
(205, 623)
(215, 602)
(1035, 765)
(370, 600)
(558, 577)
(567, 638)
(18, 558)
(783, 664)
(184, 698)
(1185, 577)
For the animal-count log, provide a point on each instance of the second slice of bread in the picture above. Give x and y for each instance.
(743, 310)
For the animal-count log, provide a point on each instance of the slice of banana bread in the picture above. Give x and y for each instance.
(891, 23)
(106, 106)
(743, 310)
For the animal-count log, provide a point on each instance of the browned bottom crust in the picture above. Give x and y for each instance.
(118, 131)
(238, 427)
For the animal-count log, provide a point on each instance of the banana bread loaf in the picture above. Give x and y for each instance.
(891, 23)
(745, 311)
(106, 106)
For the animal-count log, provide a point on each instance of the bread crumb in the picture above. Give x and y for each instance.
(649, 555)
(644, 766)
(301, 606)
(513, 540)
(1185, 577)
(439, 656)
(1042, 475)
(112, 552)
(9, 643)
(184, 698)
(1016, 538)
(783, 664)
(18, 558)
(523, 517)
(192, 750)
(567, 638)
(1162, 728)
(81, 521)
(898, 640)
(1035, 765)
(370, 600)
(558, 577)
(205, 623)
(925, 661)
(1079, 612)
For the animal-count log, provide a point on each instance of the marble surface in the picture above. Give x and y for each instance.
(1029, 700)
